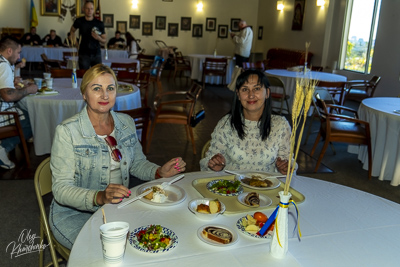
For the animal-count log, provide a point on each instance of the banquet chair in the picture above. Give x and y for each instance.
(176, 107)
(215, 67)
(339, 128)
(359, 89)
(15, 130)
(335, 89)
(50, 64)
(180, 65)
(115, 66)
(279, 96)
(43, 185)
(140, 79)
(141, 116)
(205, 149)
(146, 62)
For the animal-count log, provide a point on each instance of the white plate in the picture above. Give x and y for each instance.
(241, 229)
(275, 182)
(175, 193)
(209, 184)
(215, 243)
(264, 200)
(135, 243)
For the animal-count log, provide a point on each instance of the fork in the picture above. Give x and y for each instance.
(166, 184)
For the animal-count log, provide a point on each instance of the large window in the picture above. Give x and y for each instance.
(360, 32)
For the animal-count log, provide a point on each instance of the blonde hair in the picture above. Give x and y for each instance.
(95, 72)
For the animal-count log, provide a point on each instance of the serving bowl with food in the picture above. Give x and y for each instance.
(206, 208)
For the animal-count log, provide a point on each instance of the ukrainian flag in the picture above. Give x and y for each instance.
(34, 19)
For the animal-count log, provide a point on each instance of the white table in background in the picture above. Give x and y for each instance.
(196, 62)
(47, 111)
(108, 62)
(385, 129)
(341, 226)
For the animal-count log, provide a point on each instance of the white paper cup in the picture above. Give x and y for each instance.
(38, 82)
(113, 240)
(49, 82)
(46, 75)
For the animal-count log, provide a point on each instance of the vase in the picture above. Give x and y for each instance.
(279, 243)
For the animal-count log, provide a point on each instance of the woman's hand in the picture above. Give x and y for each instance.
(217, 162)
(114, 193)
(282, 165)
(172, 167)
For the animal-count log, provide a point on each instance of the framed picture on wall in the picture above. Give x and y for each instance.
(222, 31)
(161, 22)
(134, 21)
(211, 24)
(235, 25)
(186, 23)
(108, 20)
(50, 7)
(121, 26)
(260, 32)
(297, 23)
(79, 7)
(197, 30)
(173, 29)
(147, 28)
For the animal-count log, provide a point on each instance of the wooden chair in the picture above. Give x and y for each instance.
(15, 130)
(141, 116)
(140, 79)
(280, 96)
(146, 62)
(67, 55)
(259, 65)
(177, 107)
(359, 89)
(339, 128)
(115, 66)
(43, 185)
(180, 65)
(50, 64)
(205, 149)
(334, 88)
(215, 67)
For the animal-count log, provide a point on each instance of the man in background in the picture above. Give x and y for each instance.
(12, 90)
(116, 42)
(243, 41)
(31, 38)
(52, 39)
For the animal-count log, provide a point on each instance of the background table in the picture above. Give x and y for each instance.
(341, 226)
(47, 111)
(385, 142)
(196, 62)
(107, 62)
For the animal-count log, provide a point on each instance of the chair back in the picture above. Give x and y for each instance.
(195, 91)
(320, 107)
(279, 94)
(205, 149)
(334, 88)
(67, 55)
(50, 64)
(215, 66)
(145, 61)
(115, 66)
(375, 80)
(61, 73)
(248, 65)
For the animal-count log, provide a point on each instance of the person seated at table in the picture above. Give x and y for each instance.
(92, 156)
(116, 42)
(249, 137)
(12, 89)
(31, 38)
(52, 39)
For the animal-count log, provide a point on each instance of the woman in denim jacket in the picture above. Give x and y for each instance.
(92, 156)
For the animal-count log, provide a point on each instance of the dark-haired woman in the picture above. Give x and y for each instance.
(249, 137)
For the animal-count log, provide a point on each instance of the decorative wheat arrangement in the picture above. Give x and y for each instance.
(73, 45)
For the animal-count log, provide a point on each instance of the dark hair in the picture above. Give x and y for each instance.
(237, 117)
(9, 42)
(117, 32)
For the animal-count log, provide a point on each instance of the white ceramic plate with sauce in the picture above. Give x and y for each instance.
(264, 176)
(264, 200)
(175, 194)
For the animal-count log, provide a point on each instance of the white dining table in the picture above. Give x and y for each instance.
(289, 80)
(340, 226)
(385, 142)
(196, 62)
(47, 111)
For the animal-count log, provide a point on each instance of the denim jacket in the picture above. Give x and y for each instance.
(80, 161)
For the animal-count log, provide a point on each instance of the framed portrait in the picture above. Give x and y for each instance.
(121, 26)
(134, 21)
(79, 7)
(235, 25)
(222, 31)
(197, 30)
(147, 28)
(173, 29)
(108, 20)
(297, 23)
(260, 32)
(186, 23)
(50, 7)
(161, 22)
(211, 24)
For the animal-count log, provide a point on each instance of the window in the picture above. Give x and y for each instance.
(359, 35)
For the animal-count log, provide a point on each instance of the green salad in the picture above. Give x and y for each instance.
(226, 187)
(152, 238)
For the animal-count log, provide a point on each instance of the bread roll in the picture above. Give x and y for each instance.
(203, 208)
(215, 206)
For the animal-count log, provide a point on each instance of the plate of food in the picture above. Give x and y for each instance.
(217, 235)
(259, 180)
(153, 239)
(225, 187)
(171, 195)
(254, 200)
(251, 224)
(125, 87)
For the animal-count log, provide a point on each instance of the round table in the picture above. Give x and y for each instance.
(341, 226)
(385, 128)
(47, 111)
(196, 62)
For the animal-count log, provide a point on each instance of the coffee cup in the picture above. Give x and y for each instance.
(38, 82)
(46, 75)
(113, 241)
(49, 83)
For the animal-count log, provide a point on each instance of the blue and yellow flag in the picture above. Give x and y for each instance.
(34, 19)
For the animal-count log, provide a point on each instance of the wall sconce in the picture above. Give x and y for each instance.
(134, 3)
(199, 6)
(279, 5)
(320, 3)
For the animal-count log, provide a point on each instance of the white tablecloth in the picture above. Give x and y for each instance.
(385, 142)
(197, 60)
(341, 226)
(46, 112)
